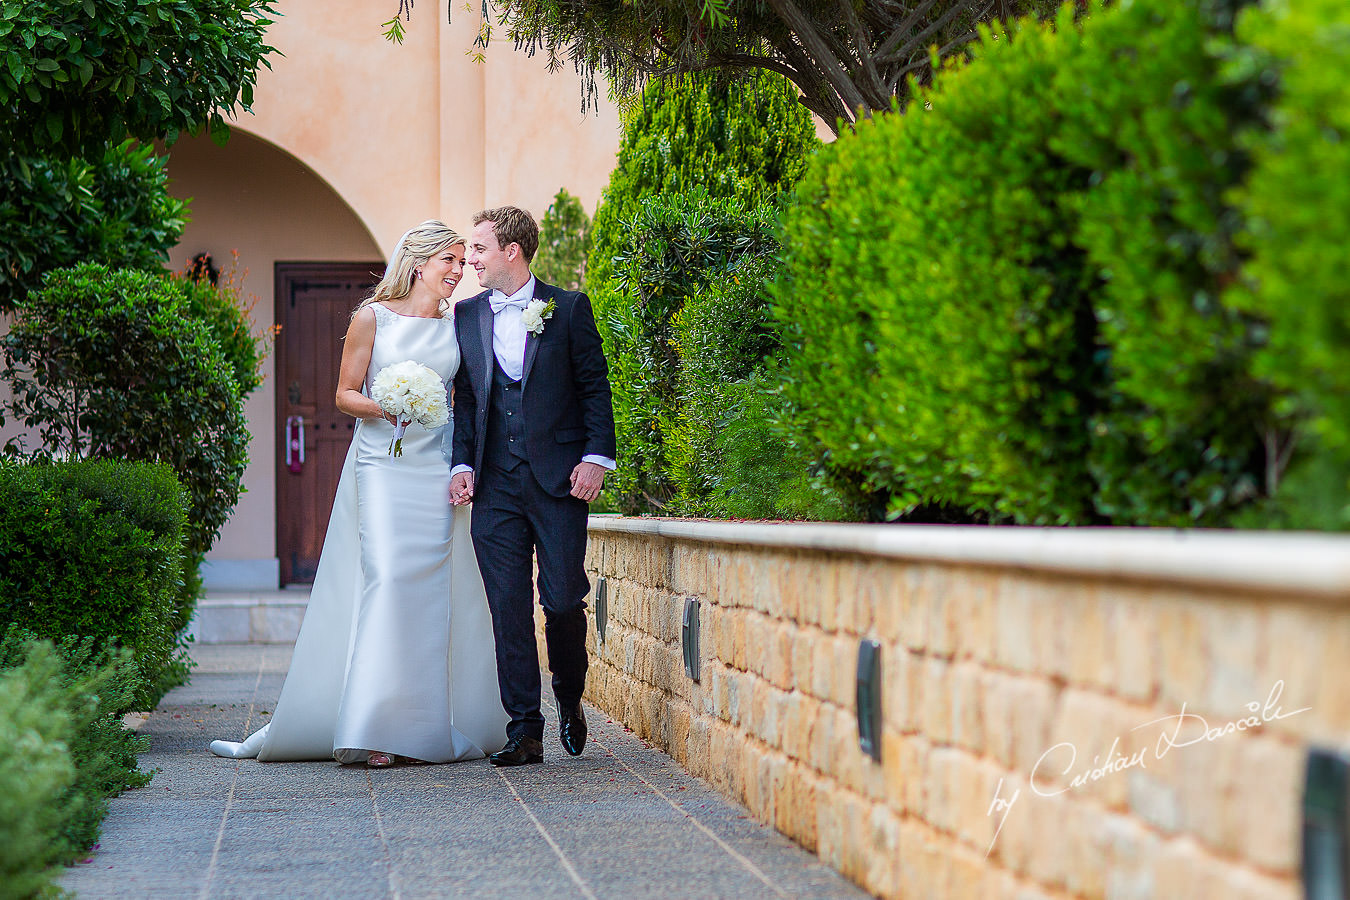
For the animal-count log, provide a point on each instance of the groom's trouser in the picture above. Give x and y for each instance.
(512, 518)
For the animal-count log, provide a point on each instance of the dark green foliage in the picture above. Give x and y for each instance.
(563, 234)
(1178, 436)
(67, 753)
(701, 168)
(937, 336)
(115, 209)
(114, 364)
(96, 688)
(848, 60)
(36, 775)
(680, 247)
(95, 548)
(747, 142)
(1043, 256)
(76, 75)
(226, 314)
(1297, 229)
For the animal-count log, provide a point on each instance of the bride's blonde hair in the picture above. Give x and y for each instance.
(414, 249)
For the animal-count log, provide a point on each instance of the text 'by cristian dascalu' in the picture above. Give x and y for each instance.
(1061, 761)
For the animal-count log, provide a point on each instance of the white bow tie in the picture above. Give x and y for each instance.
(499, 305)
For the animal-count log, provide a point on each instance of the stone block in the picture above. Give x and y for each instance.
(845, 669)
(1015, 643)
(845, 592)
(914, 608)
(967, 705)
(803, 657)
(1132, 855)
(1267, 792)
(937, 700)
(1032, 704)
(1134, 634)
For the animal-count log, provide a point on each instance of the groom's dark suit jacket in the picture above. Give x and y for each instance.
(565, 388)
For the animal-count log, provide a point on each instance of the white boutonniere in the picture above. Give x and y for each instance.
(536, 313)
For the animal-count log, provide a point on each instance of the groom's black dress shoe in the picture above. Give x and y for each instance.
(519, 751)
(572, 729)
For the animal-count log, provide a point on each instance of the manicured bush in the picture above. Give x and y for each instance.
(67, 753)
(56, 212)
(1296, 207)
(94, 688)
(938, 342)
(563, 233)
(36, 775)
(653, 248)
(679, 247)
(114, 363)
(95, 548)
(1043, 248)
(1149, 103)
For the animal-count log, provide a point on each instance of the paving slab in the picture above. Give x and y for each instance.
(620, 821)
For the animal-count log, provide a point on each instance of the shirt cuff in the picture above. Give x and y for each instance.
(461, 468)
(601, 461)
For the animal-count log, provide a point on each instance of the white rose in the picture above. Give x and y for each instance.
(532, 317)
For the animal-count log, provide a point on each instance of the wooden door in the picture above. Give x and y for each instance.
(314, 302)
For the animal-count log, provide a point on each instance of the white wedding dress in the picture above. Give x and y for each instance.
(395, 654)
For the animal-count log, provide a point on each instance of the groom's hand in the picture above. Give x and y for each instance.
(587, 480)
(461, 488)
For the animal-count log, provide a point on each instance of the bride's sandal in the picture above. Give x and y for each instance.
(380, 760)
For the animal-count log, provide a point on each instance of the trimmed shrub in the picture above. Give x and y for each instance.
(1296, 207)
(1043, 248)
(95, 548)
(680, 247)
(938, 343)
(653, 249)
(94, 690)
(113, 363)
(36, 775)
(115, 208)
(563, 233)
(1147, 103)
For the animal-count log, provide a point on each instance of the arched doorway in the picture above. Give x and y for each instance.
(307, 257)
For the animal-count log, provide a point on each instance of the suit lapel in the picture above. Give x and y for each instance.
(531, 339)
(484, 312)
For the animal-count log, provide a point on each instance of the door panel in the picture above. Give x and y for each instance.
(314, 302)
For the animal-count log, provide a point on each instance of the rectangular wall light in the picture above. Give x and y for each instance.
(689, 637)
(601, 608)
(869, 698)
(1326, 821)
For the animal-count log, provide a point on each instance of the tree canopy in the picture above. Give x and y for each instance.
(76, 75)
(848, 58)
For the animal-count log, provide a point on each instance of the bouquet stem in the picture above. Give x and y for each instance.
(396, 443)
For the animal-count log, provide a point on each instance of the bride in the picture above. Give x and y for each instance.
(395, 656)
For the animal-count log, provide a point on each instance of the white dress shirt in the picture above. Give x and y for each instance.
(508, 345)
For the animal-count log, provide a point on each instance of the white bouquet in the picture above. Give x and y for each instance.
(410, 392)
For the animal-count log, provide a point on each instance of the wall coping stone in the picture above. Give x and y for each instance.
(1304, 563)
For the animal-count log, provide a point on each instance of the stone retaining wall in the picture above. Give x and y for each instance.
(1062, 673)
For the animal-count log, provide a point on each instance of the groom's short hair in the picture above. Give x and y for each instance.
(512, 225)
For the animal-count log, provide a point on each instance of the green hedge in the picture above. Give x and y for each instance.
(1296, 208)
(95, 548)
(122, 364)
(1028, 297)
(67, 752)
(937, 342)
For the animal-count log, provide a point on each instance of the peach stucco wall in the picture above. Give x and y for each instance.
(351, 141)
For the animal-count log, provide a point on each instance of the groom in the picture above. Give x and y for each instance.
(533, 438)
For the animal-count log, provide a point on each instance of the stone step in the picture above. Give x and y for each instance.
(241, 617)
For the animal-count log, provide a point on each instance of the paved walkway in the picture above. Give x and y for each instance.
(622, 820)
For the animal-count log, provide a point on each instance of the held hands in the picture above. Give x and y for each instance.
(587, 480)
(461, 488)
